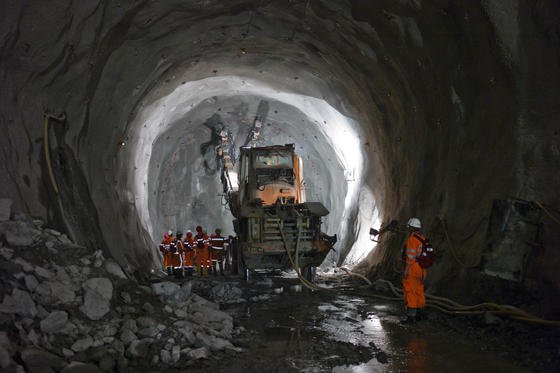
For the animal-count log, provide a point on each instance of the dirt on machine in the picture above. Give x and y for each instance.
(276, 228)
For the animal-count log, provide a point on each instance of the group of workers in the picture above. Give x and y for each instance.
(203, 254)
(200, 253)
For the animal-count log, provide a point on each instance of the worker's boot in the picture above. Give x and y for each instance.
(421, 314)
(410, 316)
(409, 320)
(169, 271)
(221, 269)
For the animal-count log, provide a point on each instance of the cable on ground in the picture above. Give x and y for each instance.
(547, 212)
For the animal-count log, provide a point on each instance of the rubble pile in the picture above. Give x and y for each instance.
(65, 308)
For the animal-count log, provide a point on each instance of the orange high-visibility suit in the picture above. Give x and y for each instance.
(189, 255)
(202, 252)
(217, 243)
(166, 250)
(413, 274)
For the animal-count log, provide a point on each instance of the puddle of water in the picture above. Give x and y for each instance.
(296, 288)
(371, 366)
(302, 328)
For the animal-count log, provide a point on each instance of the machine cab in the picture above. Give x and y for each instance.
(271, 175)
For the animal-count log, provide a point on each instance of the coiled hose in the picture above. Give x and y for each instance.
(302, 279)
(451, 307)
(444, 305)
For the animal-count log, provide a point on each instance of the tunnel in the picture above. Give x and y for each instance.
(446, 111)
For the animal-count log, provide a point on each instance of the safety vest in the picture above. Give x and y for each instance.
(189, 243)
(217, 242)
(413, 247)
(201, 241)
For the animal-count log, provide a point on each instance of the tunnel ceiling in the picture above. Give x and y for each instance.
(400, 108)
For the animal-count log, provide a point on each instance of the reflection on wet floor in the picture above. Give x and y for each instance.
(315, 331)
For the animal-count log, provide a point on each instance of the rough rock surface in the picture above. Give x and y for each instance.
(5, 209)
(227, 293)
(19, 233)
(64, 316)
(19, 302)
(35, 359)
(97, 297)
(114, 268)
(55, 322)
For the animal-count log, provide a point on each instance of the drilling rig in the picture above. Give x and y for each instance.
(276, 228)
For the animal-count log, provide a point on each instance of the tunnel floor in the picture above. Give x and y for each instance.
(294, 329)
(67, 309)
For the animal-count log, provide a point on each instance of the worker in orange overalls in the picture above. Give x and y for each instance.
(189, 256)
(202, 251)
(166, 251)
(217, 243)
(413, 275)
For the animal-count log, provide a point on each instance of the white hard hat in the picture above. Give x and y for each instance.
(414, 223)
(170, 232)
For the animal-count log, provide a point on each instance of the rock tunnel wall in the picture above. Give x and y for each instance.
(456, 105)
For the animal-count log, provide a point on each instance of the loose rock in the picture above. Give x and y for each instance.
(131, 325)
(213, 343)
(114, 268)
(36, 359)
(227, 293)
(82, 344)
(148, 308)
(42, 272)
(127, 336)
(139, 348)
(27, 267)
(54, 322)
(165, 288)
(198, 353)
(146, 322)
(19, 233)
(97, 297)
(5, 359)
(5, 209)
(79, 367)
(31, 282)
(33, 337)
(62, 293)
(19, 302)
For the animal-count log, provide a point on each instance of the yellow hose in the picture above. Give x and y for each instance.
(547, 212)
(441, 304)
(357, 275)
(48, 153)
(302, 279)
(455, 308)
(46, 145)
(453, 252)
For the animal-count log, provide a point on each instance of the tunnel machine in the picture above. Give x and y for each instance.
(276, 227)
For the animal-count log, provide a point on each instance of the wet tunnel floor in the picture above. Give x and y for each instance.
(293, 329)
